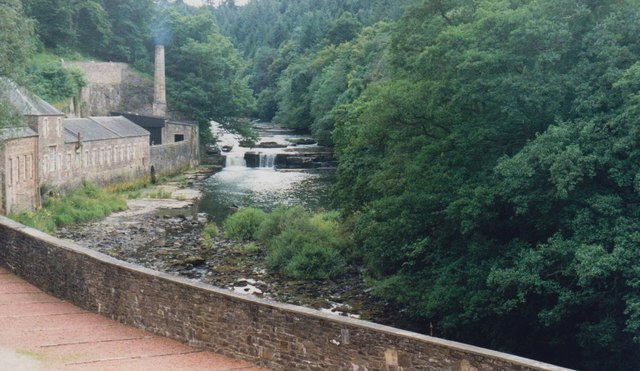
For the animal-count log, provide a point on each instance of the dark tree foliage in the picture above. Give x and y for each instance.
(130, 29)
(292, 32)
(79, 25)
(17, 38)
(494, 174)
(204, 70)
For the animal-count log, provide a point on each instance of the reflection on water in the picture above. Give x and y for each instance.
(264, 187)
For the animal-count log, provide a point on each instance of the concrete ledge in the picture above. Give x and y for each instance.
(275, 335)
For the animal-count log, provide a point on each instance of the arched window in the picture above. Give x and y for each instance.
(45, 127)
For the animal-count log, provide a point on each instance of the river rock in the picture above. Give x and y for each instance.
(252, 159)
(302, 141)
(271, 145)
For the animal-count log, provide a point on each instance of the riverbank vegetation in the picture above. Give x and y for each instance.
(298, 244)
(88, 203)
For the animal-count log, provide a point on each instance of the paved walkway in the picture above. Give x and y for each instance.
(40, 332)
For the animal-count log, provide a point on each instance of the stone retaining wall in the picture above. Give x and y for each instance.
(171, 159)
(278, 336)
(110, 87)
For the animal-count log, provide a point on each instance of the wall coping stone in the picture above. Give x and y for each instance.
(292, 309)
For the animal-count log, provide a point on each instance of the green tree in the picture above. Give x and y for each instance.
(204, 71)
(131, 31)
(345, 28)
(79, 24)
(493, 175)
(17, 38)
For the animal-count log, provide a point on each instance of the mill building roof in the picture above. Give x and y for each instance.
(25, 101)
(16, 133)
(101, 128)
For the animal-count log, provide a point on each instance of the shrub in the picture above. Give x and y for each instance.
(244, 224)
(211, 230)
(280, 219)
(315, 262)
(308, 248)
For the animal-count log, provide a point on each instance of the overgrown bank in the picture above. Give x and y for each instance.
(89, 203)
(93, 203)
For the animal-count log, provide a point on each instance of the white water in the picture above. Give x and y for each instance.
(263, 187)
(268, 160)
(235, 157)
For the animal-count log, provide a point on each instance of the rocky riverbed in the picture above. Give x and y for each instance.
(167, 235)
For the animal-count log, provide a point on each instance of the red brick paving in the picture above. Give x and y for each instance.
(40, 332)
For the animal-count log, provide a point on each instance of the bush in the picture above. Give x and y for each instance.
(306, 252)
(299, 245)
(304, 246)
(280, 219)
(244, 224)
(315, 262)
(211, 230)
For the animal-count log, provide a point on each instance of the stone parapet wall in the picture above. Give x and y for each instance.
(278, 336)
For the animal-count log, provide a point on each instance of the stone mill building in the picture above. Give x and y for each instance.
(52, 152)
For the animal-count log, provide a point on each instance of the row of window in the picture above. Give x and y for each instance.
(20, 169)
(84, 158)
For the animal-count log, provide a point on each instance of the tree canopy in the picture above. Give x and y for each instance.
(17, 38)
(494, 174)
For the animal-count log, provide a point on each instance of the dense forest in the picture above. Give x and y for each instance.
(204, 70)
(488, 157)
(489, 166)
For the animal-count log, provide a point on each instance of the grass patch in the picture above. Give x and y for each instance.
(127, 187)
(89, 203)
(159, 193)
(246, 248)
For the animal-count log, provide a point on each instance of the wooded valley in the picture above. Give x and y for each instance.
(489, 157)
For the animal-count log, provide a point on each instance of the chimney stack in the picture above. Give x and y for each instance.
(159, 87)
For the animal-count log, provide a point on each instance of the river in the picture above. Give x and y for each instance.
(170, 240)
(265, 186)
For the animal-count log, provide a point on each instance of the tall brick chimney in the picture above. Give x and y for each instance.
(159, 87)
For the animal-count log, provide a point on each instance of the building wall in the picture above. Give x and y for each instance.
(191, 134)
(111, 87)
(19, 175)
(171, 129)
(171, 159)
(278, 336)
(100, 162)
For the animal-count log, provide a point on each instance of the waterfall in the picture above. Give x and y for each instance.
(233, 159)
(267, 160)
